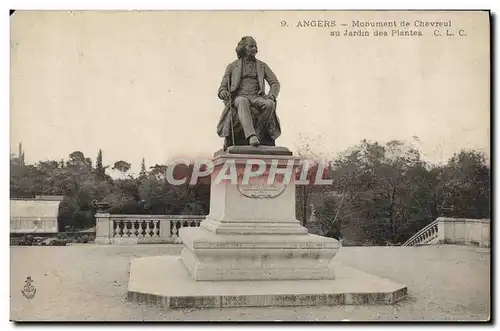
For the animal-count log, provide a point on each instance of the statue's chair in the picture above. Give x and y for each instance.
(261, 128)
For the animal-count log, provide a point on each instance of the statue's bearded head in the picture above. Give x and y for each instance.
(247, 47)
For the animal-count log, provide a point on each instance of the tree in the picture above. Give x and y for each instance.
(122, 166)
(159, 171)
(88, 162)
(77, 156)
(466, 185)
(305, 191)
(23, 179)
(77, 160)
(21, 154)
(379, 189)
(381, 193)
(99, 168)
(143, 167)
(326, 214)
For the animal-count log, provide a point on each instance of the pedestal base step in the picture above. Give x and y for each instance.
(164, 281)
(212, 257)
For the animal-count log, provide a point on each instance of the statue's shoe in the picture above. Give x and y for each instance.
(254, 141)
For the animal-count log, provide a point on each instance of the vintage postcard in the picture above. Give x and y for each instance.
(272, 165)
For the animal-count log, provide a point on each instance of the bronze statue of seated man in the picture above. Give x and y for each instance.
(249, 116)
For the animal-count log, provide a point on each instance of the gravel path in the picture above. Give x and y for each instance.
(89, 283)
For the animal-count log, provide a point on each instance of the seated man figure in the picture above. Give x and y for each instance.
(249, 117)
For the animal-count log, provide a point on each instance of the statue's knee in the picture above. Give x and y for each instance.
(241, 101)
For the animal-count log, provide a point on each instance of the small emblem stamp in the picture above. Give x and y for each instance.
(29, 289)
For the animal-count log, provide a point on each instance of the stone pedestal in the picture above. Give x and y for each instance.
(103, 228)
(251, 232)
(252, 251)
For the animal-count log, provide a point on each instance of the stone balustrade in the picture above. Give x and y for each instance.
(427, 235)
(137, 229)
(447, 230)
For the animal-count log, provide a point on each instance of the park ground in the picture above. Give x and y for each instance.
(86, 282)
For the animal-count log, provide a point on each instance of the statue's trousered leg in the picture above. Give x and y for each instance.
(254, 117)
(264, 110)
(242, 105)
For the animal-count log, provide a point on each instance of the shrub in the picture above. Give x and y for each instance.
(62, 236)
(84, 239)
(27, 240)
(58, 242)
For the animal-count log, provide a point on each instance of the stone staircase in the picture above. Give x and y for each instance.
(426, 236)
(446, 230)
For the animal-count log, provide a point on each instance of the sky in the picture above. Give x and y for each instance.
(144, 84)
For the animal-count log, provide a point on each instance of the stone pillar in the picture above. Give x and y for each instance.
(446, 229)
(251, 232)
(103, 229)
(460, 231)
(165, 228)
(441, 230)
(485, 233)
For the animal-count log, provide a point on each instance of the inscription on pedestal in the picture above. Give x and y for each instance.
(261, 190)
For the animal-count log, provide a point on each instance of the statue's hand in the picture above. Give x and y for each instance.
(224, 95)
(270, 96)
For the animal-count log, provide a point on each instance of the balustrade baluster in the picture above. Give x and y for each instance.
(122, 228)
(150, 229)
(173, 232)
(175, 229)
(138, 230)
(135, 228)
(156, 232)
(126, 229)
